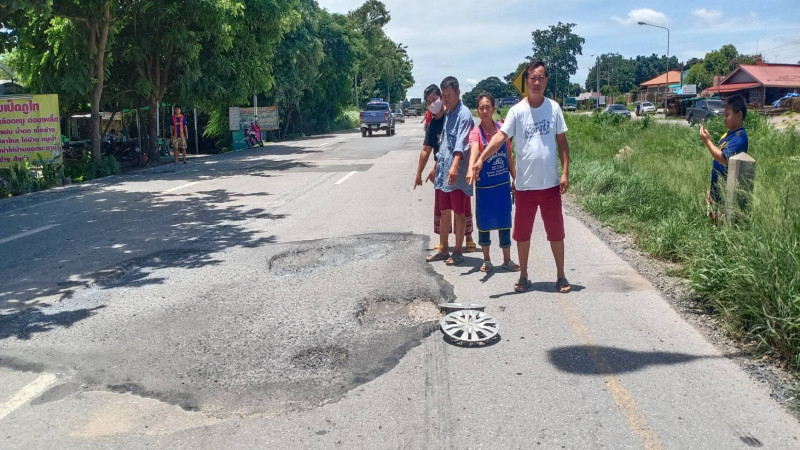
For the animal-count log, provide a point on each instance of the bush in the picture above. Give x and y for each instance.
(108, 166)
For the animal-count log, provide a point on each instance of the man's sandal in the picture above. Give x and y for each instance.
(486, 267)
(433, 257)
(471, 247)
(522, 285)
(562, 285)
(511, 266)
(455, 259)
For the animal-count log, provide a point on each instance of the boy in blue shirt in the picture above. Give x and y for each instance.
(731, 143)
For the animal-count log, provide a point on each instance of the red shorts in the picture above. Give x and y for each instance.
(549, 200)
(457, 200)
(437, 215)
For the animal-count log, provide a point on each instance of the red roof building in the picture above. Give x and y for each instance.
(760, 83)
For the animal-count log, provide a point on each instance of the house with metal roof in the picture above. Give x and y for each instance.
(761, 84)
(655, 89)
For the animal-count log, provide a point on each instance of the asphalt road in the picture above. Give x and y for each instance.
(279, 298)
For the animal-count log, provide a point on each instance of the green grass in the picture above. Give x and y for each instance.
(749, 274)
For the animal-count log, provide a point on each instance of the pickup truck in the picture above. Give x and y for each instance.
(703, 109)
(571, 104)
(377, 116)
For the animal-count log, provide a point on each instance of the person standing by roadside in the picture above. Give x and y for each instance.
(450, 181)
(731, 143)
(538, 126)
(437, 110)
(492, 185)
(180, 131)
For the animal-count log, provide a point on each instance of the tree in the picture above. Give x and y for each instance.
(64, 47)
(492, 85)
(698, 75)
(558, 47)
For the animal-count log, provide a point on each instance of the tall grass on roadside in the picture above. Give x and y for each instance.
(650, 180)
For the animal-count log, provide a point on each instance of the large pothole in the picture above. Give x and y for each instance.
(395, 314)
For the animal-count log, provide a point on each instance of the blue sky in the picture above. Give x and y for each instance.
(475, 39)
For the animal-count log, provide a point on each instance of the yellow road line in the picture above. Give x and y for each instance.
(621, 396)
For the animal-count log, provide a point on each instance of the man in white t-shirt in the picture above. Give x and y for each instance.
(539, 131)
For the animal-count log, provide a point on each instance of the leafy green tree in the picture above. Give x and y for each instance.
(492, 85)
(698, 75)
(558, 47)
(64, 48)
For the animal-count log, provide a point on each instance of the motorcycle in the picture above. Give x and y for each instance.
(251, 139)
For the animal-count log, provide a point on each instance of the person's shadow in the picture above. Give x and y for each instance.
(601, 360)
(540, 286)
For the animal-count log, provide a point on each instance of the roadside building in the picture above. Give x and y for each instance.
(760, 84)
(655, 89)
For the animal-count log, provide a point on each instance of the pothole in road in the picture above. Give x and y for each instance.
(303, 260)
(393, 314)
(328, 357)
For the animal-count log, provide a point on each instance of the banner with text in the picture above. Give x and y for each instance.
(240, 118)
(29, 126)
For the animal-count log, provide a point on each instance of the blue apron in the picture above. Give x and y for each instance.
(493, 190)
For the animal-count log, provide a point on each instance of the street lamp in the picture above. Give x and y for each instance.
(665, 28)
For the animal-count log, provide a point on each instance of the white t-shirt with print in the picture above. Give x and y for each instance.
(534, 131)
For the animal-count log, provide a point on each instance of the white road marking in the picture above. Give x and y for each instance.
(181, 186)
(327, 143)
(344, 178)
(27, 394)
(28, 233)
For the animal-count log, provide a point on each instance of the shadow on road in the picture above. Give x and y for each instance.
(24, 324)
(114, 237)
(601, 360)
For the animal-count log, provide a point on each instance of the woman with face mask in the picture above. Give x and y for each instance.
(433, 97)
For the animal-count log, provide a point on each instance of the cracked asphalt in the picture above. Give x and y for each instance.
(279, 298)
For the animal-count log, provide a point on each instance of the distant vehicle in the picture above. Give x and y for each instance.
(411, 112)
(399, 116)
(704, 109)
(643, 108)
(571, 104)
(617, 109)
(375, 117)
(507, 101)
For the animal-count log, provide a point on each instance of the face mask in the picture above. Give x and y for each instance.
(435, 107)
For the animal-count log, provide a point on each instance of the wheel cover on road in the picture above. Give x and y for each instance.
(470, 326)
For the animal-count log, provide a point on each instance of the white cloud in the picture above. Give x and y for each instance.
(643, 15)
(707, 16)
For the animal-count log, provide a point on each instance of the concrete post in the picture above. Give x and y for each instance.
(739, 190)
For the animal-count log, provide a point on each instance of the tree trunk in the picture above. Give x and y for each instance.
(153, 157)
(99, 37)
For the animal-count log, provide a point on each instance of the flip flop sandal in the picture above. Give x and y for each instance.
(511, 266)
(455, 259)
(522, 285)
(563, 283)
(433, 257)
(471, 247)
(486, 267)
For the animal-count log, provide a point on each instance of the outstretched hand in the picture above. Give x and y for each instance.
(704, 134)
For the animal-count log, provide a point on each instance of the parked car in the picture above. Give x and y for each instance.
(399, 116)
(643, 108)
(704, 109)
(617, 109)
(375, 117)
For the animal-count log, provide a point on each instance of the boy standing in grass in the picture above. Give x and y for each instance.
(731, 143)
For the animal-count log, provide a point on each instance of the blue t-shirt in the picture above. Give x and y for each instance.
(730, 144)
(455, 139)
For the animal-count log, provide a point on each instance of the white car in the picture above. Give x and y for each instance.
(643, 108)
(398, 115)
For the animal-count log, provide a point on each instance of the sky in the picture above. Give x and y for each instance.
(476, 39)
